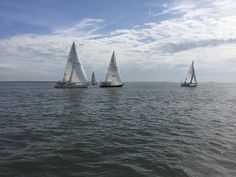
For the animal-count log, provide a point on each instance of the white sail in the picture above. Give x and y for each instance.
(191, 77)
(69, 65)
(113, 75)
(77, 70)
(93, 79)
(194, 79)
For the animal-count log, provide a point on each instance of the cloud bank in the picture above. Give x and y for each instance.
(204, 31)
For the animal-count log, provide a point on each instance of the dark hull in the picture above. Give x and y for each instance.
(65, 86)
(103, 86)
(71, 86)
(188, 85)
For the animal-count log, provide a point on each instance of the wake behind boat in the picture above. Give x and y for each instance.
(190, 80)
(113, 75)
(74, 75)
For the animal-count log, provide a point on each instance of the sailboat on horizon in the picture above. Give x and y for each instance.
(190, 80)
(113, 75)
(74, 75)
(93, 80)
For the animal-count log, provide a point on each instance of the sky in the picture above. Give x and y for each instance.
(154, 40)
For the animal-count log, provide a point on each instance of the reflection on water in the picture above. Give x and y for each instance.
(141, 129)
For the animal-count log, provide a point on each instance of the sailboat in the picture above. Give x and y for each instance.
(93, 80)
(113, 75)
(74, 75)
(190, 80)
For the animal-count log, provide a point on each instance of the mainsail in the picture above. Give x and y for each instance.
(191, 76)
(74, 71)
(93, 79)
(69, 66)
(113, 75)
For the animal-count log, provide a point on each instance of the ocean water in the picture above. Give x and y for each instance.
(142, 129)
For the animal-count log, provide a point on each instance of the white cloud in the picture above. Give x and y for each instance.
(205, 31)
(85, 29)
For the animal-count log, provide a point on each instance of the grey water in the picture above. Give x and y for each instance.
(142, 129)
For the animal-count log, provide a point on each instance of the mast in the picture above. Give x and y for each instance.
(193, 78)
(69, 64)
(192, 71)
(71, 72)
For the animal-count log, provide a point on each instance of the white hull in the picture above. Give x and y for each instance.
(71, 85)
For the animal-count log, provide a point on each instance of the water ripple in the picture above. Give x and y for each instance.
(142, 129)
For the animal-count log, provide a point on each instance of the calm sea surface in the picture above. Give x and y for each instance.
(142, 129)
